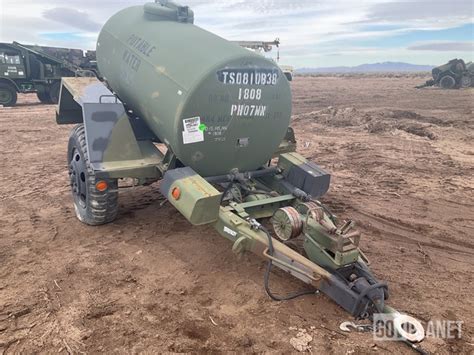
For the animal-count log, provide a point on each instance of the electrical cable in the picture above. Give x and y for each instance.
(274, 297)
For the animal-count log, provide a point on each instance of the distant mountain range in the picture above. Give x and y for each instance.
(370, 68)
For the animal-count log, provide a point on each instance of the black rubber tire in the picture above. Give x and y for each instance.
(43, 97)
(92, 207)
(53, 92)
(447, 82)
(8, 95)
(466, 81)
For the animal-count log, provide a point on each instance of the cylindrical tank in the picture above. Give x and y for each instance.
(216, 105)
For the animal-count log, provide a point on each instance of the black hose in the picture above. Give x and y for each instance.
(226, 190)
(246, 189)
(274, 297)
(258, 191)
(247, 175)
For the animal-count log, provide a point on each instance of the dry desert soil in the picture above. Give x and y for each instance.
(402, 165)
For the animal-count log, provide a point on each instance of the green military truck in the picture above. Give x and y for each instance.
(35, 69)
(453, 75)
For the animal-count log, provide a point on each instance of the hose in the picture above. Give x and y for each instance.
(226, 190)
(255, 192)
(266, 278)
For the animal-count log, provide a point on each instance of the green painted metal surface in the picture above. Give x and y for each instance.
(216, 105)
(198, 201)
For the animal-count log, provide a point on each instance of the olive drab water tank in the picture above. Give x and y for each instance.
(216, 105)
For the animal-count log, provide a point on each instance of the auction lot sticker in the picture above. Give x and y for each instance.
(193, 132)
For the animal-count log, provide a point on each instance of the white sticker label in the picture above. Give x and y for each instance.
(230, 231)
(192, 131)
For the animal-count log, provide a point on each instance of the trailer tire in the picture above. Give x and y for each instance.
(447, 82)
(92, 206)
(8, 95)
(53, 92)
(466, 81)
(43, 97)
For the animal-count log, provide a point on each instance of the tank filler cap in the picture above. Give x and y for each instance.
(164, 10)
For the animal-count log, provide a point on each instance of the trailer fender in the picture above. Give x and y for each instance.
(115, 150)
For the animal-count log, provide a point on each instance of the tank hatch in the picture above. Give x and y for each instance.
(164, 10)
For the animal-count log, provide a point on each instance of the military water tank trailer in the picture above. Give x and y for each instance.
(223, 114)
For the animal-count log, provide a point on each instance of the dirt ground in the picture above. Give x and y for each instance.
(402, 164)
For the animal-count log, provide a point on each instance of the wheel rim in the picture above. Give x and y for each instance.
(447, 82)
(78, 178)
(465, 81)
(5, 96)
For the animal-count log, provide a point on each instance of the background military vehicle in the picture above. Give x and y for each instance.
(27, 69)
(77, 57)
(227, 157)
(452, 75)
(259, 46)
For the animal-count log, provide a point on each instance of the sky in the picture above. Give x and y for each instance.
(313, 33)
